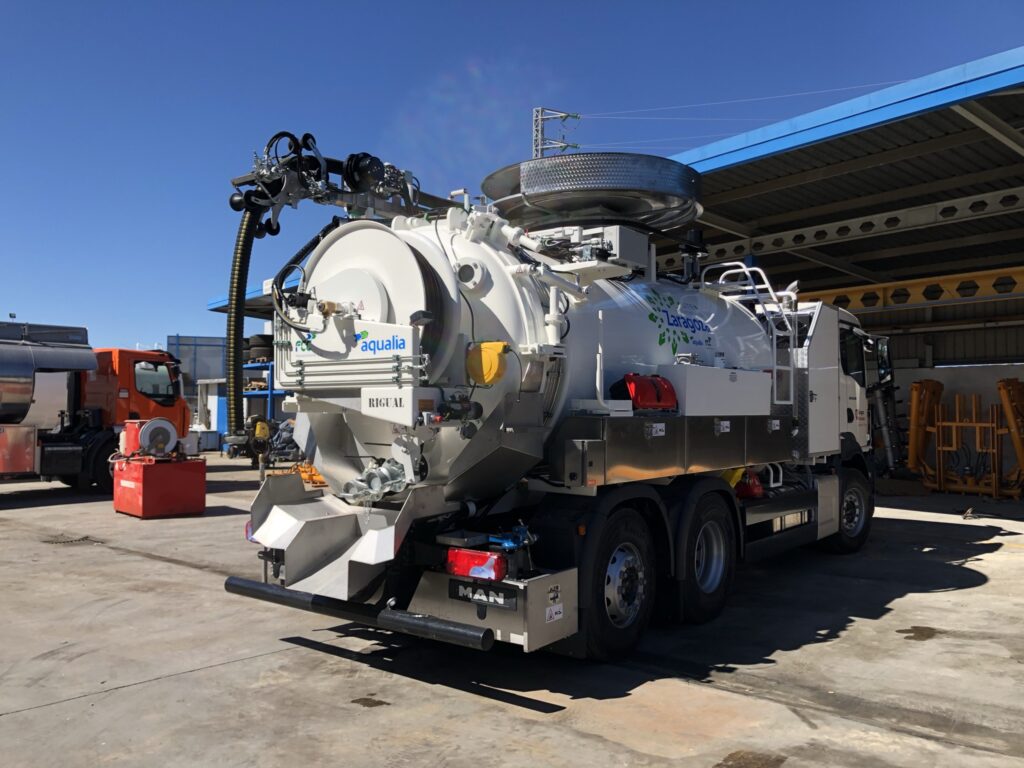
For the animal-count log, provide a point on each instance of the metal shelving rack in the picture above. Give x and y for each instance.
(268, 393)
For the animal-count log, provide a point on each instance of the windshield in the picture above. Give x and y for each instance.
(879, 360)
(851, 355)
(155, 381)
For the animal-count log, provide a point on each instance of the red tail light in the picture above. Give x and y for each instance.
(477, 564)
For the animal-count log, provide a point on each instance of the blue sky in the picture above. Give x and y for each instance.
(123, 122)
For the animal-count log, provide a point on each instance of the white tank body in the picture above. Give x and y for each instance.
(477, 288)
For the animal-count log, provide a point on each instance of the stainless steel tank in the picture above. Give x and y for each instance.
(26, 352)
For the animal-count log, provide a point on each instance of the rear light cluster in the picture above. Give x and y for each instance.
(477, 564)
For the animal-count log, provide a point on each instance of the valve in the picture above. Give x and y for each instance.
(376, 480)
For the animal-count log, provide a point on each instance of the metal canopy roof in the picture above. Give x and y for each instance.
(921, 179)
(257, 304)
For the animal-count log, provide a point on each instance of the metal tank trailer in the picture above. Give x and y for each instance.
(540, 418)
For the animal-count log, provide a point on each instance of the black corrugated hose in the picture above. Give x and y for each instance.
(236, 316)
(304, 251)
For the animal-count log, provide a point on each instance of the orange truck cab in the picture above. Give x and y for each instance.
(135, 384)
(127, 384)
(63, 404)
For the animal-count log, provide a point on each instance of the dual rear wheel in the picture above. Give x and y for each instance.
(619, 585)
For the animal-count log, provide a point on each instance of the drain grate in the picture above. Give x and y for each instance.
(63, 538)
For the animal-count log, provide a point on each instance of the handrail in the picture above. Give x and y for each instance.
(755, 287)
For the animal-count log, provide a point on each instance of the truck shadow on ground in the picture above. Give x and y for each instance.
(57, 494)
(803, 598)
(233, 484)
(52, 495)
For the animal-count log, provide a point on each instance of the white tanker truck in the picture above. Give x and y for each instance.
(540, 420)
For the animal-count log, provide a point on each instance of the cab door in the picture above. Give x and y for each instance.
(853, 401)
(823, 390)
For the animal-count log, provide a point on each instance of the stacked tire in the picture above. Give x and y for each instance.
(258, 347)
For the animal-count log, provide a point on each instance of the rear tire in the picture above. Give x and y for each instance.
(856, 509)
(709, 560)
(617, 588)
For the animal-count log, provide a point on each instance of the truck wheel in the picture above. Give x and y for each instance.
(709, 560)
(618, 590)
(856, 508)
(102, 470)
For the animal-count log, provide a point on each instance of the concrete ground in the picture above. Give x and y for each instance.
(118, 646)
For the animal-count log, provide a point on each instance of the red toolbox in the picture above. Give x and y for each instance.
(149, 487)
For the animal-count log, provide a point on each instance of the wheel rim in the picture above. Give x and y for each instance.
(709, 557)
(853, 512)
(625, 584)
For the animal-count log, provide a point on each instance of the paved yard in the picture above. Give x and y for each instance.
(118, 646)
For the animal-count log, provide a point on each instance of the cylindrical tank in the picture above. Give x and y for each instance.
(473, 286)
(34, 361)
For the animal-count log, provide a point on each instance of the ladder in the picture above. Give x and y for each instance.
(749, 286)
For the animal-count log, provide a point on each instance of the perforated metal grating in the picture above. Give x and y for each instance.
(610, 187)
(606, 170)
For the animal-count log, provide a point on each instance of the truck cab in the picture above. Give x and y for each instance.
(135, 384)
(62, 403)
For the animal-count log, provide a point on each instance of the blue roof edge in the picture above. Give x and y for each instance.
(923, 94)
(251, 293)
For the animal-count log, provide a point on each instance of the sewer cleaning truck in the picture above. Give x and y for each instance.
(542, 419)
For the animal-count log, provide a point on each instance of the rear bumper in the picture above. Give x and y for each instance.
(417, 624)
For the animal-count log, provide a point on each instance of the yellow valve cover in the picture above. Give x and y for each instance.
(485, 361)
(732, 476)
(262, 431)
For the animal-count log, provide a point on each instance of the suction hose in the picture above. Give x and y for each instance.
(236, 316)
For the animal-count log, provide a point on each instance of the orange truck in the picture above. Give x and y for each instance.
(63, 404)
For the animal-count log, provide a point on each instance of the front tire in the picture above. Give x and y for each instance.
(856, 509)
(617, 587)
(709, 560)
(102, 471)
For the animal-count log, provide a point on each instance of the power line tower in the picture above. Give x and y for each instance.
(541, 144)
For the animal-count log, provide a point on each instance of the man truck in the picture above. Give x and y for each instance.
(544, 418)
